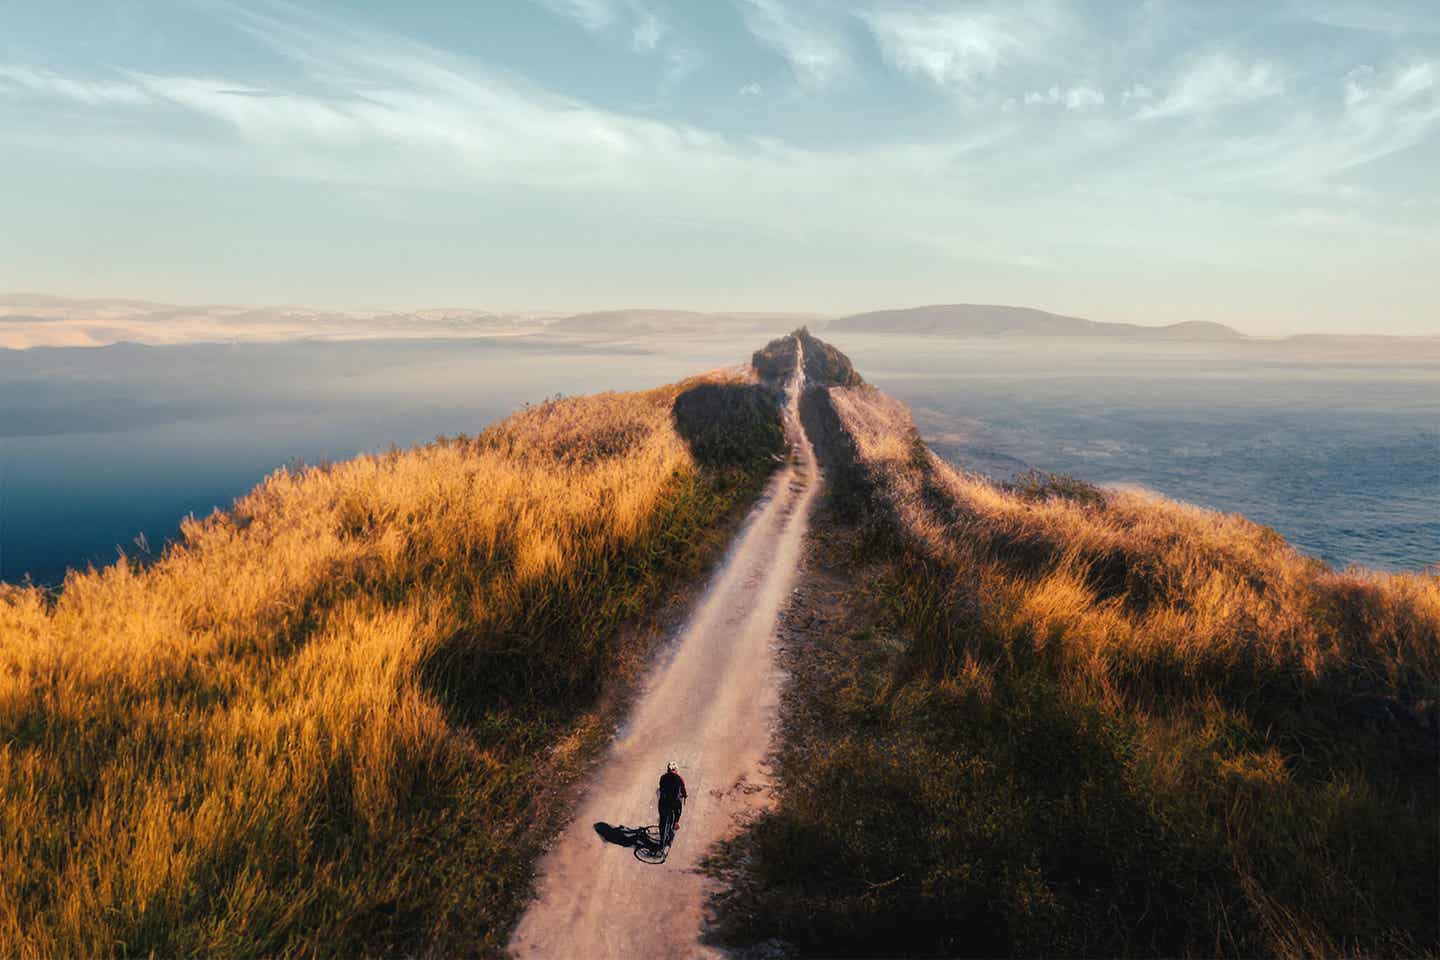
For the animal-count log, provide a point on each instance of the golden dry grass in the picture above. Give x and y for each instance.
(317, 724)
(1119, 578)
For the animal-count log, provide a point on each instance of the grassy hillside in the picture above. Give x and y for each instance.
(334, 719)
(1052, 719)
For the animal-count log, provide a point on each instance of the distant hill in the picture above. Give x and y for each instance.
(41, 320)
(646, 322)
(983, 320)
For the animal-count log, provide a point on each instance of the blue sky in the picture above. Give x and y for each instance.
(1271, 165)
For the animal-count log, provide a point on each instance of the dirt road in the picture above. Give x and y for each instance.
(711, 708)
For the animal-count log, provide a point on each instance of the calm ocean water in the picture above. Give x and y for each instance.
(98, 447)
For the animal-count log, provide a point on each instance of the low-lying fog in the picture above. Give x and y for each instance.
(1337, 449)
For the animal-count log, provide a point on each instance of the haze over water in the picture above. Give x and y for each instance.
(98, 446)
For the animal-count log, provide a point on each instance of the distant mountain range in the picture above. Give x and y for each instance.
(44, 320)
(983, 320)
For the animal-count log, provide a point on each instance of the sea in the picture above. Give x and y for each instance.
(104, 450)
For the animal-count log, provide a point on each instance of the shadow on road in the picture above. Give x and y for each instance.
(644, 840)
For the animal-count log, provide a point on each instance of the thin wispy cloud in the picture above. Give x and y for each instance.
(1379, 114)
(1137, 93)
(801, 33)
(641, 19)
(1216, 81)
(414, 100)
(488, 124)
(592, 15)
(958, 47)
(19, 79)
(1072, 98)
(374, 108)
(647, 33)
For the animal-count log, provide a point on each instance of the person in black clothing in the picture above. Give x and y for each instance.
(672, 793)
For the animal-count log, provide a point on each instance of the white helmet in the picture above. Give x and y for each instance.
(672, 766)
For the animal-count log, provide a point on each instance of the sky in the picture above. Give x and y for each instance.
(1274, 166)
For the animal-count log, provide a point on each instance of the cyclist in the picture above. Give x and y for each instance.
(672, 793)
